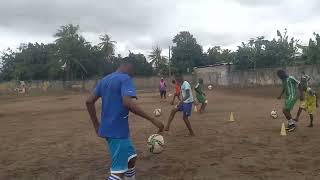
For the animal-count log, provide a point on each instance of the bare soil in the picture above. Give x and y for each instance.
(51, 137)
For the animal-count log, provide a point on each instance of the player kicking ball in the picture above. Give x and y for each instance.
(201, 96)
(116, 91)
(289, 85)
(309, 102)
(185, 106)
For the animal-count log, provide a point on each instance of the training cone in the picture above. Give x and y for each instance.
(283, 131)
(231, 117)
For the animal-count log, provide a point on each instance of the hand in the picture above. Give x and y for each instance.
(96, 128)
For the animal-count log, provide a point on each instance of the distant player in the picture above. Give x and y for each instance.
(201, 96)
(308, 99)
(163, 89)
(177, 91)
(289, 85)
(185, 106)
(116, 91)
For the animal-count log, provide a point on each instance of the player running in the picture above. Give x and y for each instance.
(184, 106)
(308, 99)
(201, 96)
(177, 91)
(116, 91)
(289, 85)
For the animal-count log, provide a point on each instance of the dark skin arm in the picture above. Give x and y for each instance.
(90, 103)
(282, 92)
(134, 108)
(317, 100)
(300, 92)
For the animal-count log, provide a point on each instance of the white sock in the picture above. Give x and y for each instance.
(113, 177)
(130, 174)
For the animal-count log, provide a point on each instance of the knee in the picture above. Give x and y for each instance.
(284, 110)
(132, 162)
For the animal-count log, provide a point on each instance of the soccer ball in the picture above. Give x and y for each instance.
(156, 143)
(206, 102)
(210, 87)
(274, 114)
(157, 112)
(169, 94)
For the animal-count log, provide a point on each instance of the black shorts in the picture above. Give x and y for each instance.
(163, 93)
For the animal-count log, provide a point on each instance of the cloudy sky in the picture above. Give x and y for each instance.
(138, 25)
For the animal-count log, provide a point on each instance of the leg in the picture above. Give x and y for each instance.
(311, 120)
(188, 124)
(298, 114)
(179, 97)
(131, 173)
(291, 122)
(173, 113)
(287, 114)
(172, 102)
(203, 107)
(165, 94)
(161, 94)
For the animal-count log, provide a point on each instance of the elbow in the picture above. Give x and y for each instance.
(88, 102)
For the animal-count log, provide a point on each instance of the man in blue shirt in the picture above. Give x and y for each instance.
(116, 91)
(185, 106)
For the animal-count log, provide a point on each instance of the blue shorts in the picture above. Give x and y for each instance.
(122, 151)
(186, 108)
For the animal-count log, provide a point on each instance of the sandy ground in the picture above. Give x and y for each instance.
(51, 137)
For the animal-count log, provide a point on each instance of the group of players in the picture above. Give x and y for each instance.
(117, 90)
(308, 97)
(183, 88)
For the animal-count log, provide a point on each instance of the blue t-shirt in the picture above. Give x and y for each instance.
(114, 115)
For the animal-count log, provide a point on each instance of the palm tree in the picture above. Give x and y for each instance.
(158, 62)
(68, 42)
(106, 45)
(155, 56)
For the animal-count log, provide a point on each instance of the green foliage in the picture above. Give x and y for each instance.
(186, 53)
(142, 66)
(72, 57)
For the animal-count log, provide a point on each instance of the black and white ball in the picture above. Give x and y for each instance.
(274, 114)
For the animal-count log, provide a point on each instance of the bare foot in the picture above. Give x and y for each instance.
(311, 125)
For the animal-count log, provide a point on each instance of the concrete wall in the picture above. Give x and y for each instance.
(142, 83)
(226, 75)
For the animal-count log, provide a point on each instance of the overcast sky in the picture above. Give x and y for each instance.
(138, 25)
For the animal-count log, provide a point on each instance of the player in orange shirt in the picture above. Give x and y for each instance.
(177, 92)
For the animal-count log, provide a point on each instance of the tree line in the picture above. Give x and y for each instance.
(71, 57)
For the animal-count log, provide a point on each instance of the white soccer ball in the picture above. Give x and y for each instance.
(157, 112)
(210, 87)
(156, 143)
(206, 102)
(274, 114)
(169, 94)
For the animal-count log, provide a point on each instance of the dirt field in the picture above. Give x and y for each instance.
(51, 137)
